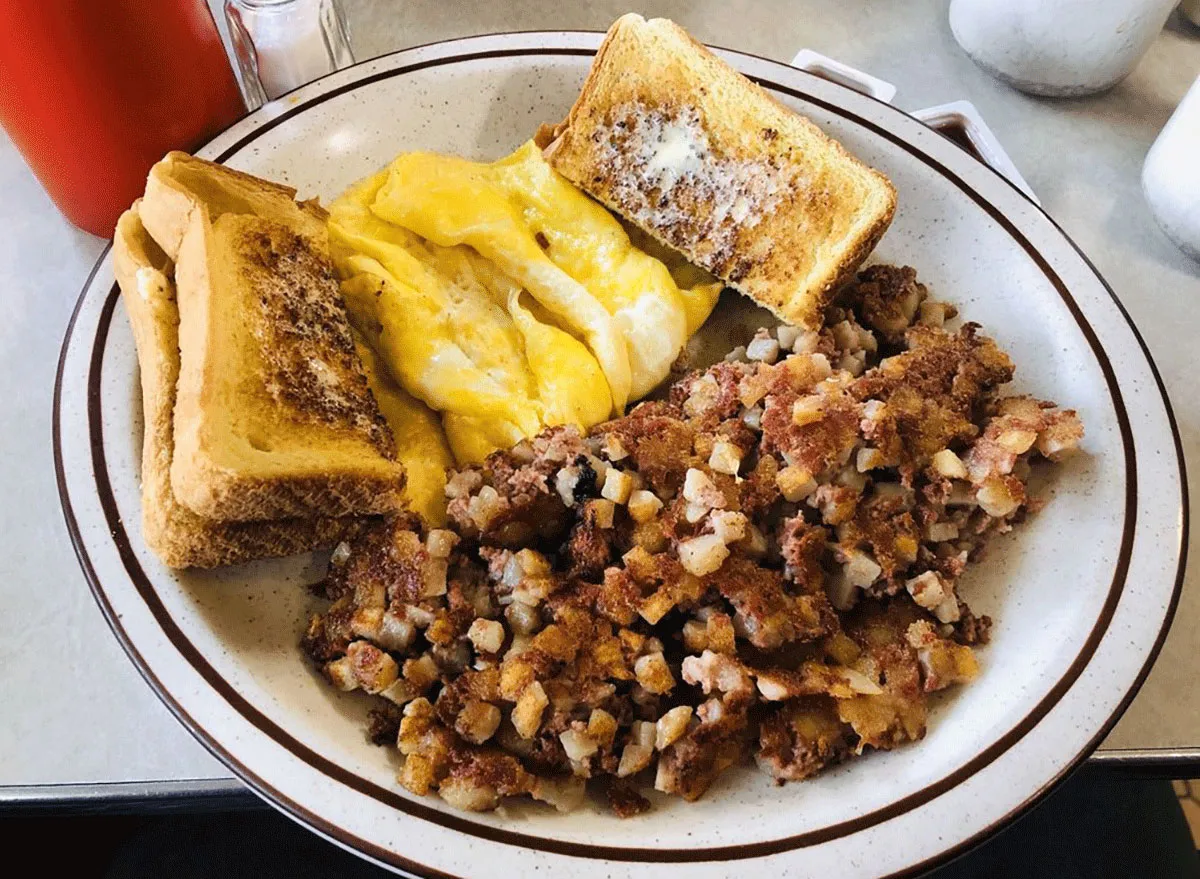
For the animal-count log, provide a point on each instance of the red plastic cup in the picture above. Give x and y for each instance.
(94, 92)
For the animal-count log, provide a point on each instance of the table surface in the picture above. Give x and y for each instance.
(78, 722)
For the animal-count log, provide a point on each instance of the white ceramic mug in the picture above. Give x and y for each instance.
(1171, 175)
(1058, 47)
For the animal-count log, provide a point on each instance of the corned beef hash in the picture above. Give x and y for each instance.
(765, 563)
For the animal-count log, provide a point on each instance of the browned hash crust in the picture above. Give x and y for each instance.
(763, 564)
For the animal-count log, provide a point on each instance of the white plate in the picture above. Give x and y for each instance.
(1082, 594)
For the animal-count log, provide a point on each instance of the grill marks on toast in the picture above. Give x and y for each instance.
(311, 368)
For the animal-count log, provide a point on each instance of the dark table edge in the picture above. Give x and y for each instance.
(228, 794)
(128, 797)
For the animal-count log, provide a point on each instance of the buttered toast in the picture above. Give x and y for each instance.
(680, 144)
(273, 414)
(177, 535)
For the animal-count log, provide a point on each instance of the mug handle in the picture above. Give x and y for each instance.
(843, 74)
(958, 120)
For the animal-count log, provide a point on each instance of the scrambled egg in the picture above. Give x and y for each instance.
(505, 299)
(420, 442)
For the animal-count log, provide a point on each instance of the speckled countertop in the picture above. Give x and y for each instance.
(76, 721)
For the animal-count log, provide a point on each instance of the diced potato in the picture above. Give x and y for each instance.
(861, 569)
(395, 632)
(468, 795)
(725, 458)
(418, 717)
(702, 396)
(795, 483)
(1017, 441)
(695, 636)
(643, 505)
(527, 715)
(565, 483)
(996, 499)
(699, 489)
(373, 669)
(808, 410)
(434, 573)
(613, 449)
(340, 554)
(341, 674)
(928, 589)
(602, 726)
(807, 342)
(422, 671)
(523, 618)
(564, 794)
(604, 512)
(657, 606)
(618, 485)
(702, 555)
(366, 622)
(939, 532)
(418, 775)
(654, 674)
(754, 543)
(787, 336)
(643, 732)
(578, 745)
(868, 459)
(477, 722)
(440, 543)
(946, 463)
(763, 349)
(728, 526)
(845, 336)
(634, 759)
(400, 692)
(486, 635)
(671, 726)
(721, 634)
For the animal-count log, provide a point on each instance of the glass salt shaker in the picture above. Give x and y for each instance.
(282, 44)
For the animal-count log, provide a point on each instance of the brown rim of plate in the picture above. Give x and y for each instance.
(455, 822)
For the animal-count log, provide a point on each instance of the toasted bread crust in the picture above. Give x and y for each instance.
(309, 362)
(174, 533)
(273, 416)
(178, 183)
(678, 143)
(206, 488)
(857, 251)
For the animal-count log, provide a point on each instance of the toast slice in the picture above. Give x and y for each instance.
(680, 144)
(273, 414)
(179, 184)
(174, 533)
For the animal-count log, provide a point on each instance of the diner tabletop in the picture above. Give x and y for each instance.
(79, 726)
